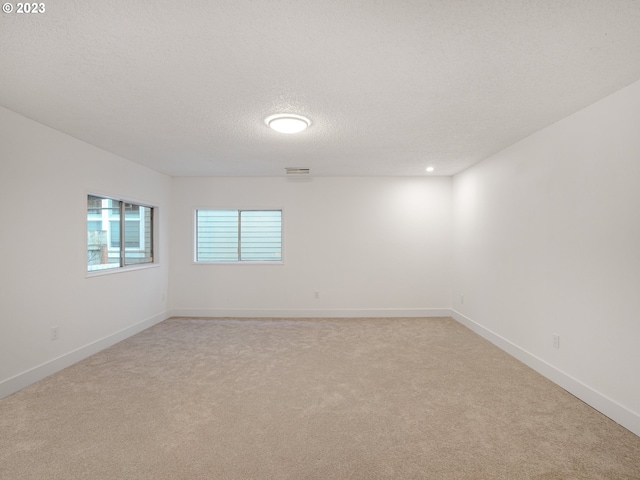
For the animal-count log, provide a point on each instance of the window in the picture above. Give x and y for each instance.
(113, 223)
(238, 236)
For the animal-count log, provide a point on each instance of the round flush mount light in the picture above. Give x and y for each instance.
(430, 169)
(287, 122)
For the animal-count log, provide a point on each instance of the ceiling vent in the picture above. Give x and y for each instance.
(297, 171)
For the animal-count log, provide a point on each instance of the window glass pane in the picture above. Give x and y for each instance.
(94, 205)
(132, 211)
(104, 226)
(138, 236)
(113, 207)
(217, 235)
(261, 235)
(132, 234)
(114, 233)
(99, 211)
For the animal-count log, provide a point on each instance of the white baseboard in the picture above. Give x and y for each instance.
(312, 313)
(618, 413)
(33, 375)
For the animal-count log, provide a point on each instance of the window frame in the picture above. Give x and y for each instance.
(121, 253)
(194, 231)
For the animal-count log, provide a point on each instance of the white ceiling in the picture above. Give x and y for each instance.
(390, 86)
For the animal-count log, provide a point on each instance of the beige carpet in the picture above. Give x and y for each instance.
(307, 399)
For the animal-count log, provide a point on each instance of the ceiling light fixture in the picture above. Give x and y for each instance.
(287, 122)
(430, 169)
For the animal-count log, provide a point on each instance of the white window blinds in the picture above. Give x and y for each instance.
(238, 235)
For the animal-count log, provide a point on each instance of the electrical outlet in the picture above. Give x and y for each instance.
(55, 333)
(556, 340)
(316, 294)
(462, 298)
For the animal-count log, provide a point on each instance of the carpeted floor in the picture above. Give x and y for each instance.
(307, 399)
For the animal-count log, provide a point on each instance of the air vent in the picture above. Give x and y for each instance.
(297, 171)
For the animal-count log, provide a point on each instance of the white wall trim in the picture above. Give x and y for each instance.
(618, 413)
(312, 313)
(35, 374)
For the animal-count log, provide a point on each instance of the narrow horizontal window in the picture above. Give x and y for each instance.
(238, 236)
(119, 234)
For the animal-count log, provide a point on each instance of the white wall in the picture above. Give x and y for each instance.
(368, 245)
(547, 240)
(44, 179)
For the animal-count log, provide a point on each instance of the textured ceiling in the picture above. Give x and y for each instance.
(390, 86)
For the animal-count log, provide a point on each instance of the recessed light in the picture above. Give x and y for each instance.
(430, 169)
(287, 122)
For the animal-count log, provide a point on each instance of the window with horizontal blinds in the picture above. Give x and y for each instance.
(238, 235)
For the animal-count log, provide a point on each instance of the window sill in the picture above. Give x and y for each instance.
(239, 263)
(112, 271)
